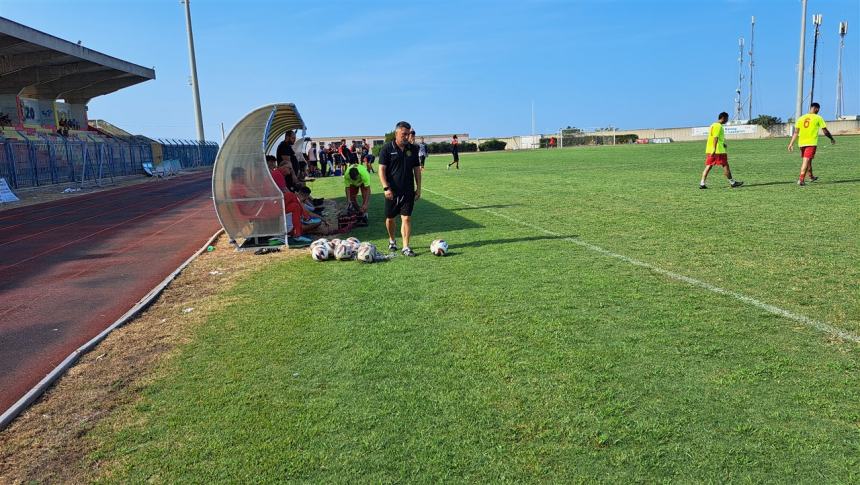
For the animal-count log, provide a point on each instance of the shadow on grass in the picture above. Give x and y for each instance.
(497, 206)
(427, 218)
(792, 182)
(764, 184)
(492, 242)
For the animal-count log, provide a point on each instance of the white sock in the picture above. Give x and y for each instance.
(731, 181)
(392, 241)
(702, 182)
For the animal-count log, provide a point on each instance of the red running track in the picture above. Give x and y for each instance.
(70, 268)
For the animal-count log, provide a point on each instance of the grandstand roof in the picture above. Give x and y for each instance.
(38, 65)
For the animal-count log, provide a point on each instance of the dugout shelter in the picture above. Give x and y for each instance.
(250, 206)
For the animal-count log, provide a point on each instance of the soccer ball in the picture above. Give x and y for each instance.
(320, 252)
(321, 242)
(354, 240)
(439, 247)
(344, 251)
(366, 253)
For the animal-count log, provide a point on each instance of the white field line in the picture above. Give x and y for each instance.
(809, 322)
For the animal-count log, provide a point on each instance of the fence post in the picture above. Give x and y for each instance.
(10, 163)
(34, 166)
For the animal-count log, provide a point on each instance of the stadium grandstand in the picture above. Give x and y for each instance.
(46, 137)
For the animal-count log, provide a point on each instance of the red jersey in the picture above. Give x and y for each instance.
(279, 179)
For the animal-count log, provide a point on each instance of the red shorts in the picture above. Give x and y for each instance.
(808, 152)
(721, 159)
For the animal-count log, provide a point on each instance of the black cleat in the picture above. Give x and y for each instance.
(736, 184)
(409, 252)
(813, 179)
(701, 186)
(801, 183)
(392, 246)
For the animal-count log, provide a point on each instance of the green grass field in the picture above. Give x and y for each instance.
(529, 354)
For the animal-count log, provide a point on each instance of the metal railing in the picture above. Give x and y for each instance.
(189, 153)
(35, 163)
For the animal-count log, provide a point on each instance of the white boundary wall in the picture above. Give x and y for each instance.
(737, 132)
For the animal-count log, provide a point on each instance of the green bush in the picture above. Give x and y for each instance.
(766, 121)
(445, 147)
(493, 145)
(570, 141)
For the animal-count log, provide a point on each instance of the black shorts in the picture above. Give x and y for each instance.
(421, 159)
(400, 205)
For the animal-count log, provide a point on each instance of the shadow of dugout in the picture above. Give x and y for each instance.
(427, 218)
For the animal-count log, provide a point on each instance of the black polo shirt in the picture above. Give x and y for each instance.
(398, 166)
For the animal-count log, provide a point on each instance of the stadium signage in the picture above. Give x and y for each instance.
(729, 129)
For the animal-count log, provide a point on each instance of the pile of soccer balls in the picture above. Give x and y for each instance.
(345, 249)
(351, 248)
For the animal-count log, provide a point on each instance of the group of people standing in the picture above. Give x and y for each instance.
(325, 160)
(806, 130)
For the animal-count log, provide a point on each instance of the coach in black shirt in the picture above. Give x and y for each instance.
(285, 152)
(400, 175)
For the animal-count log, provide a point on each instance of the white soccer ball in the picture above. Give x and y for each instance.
(320, 252)
(344, 251)
(320, 242)
(366, 253)
(439, 247)
(354, 240)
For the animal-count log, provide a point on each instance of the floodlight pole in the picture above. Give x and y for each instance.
(194, 84)
(816, 19)
(739, 106)
(752, 65)
(798, 105)
(840, 102)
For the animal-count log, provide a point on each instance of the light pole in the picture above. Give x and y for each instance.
(843, 29)
(195, 88)
(798, 105)
(739, 106)
(816, 19)
(752, 65)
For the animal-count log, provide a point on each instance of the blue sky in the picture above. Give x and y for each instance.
(357, 67)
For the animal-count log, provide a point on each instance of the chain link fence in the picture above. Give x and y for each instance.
(36, 163)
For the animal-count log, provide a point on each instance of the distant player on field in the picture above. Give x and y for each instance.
(715, 152)
(806, 129)
(455, 150)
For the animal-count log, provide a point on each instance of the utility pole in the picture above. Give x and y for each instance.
(533, 123)
(195, 88)
(739, 106)
(752, 65)
(798, 105)
(840, 102)
(816, 19)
